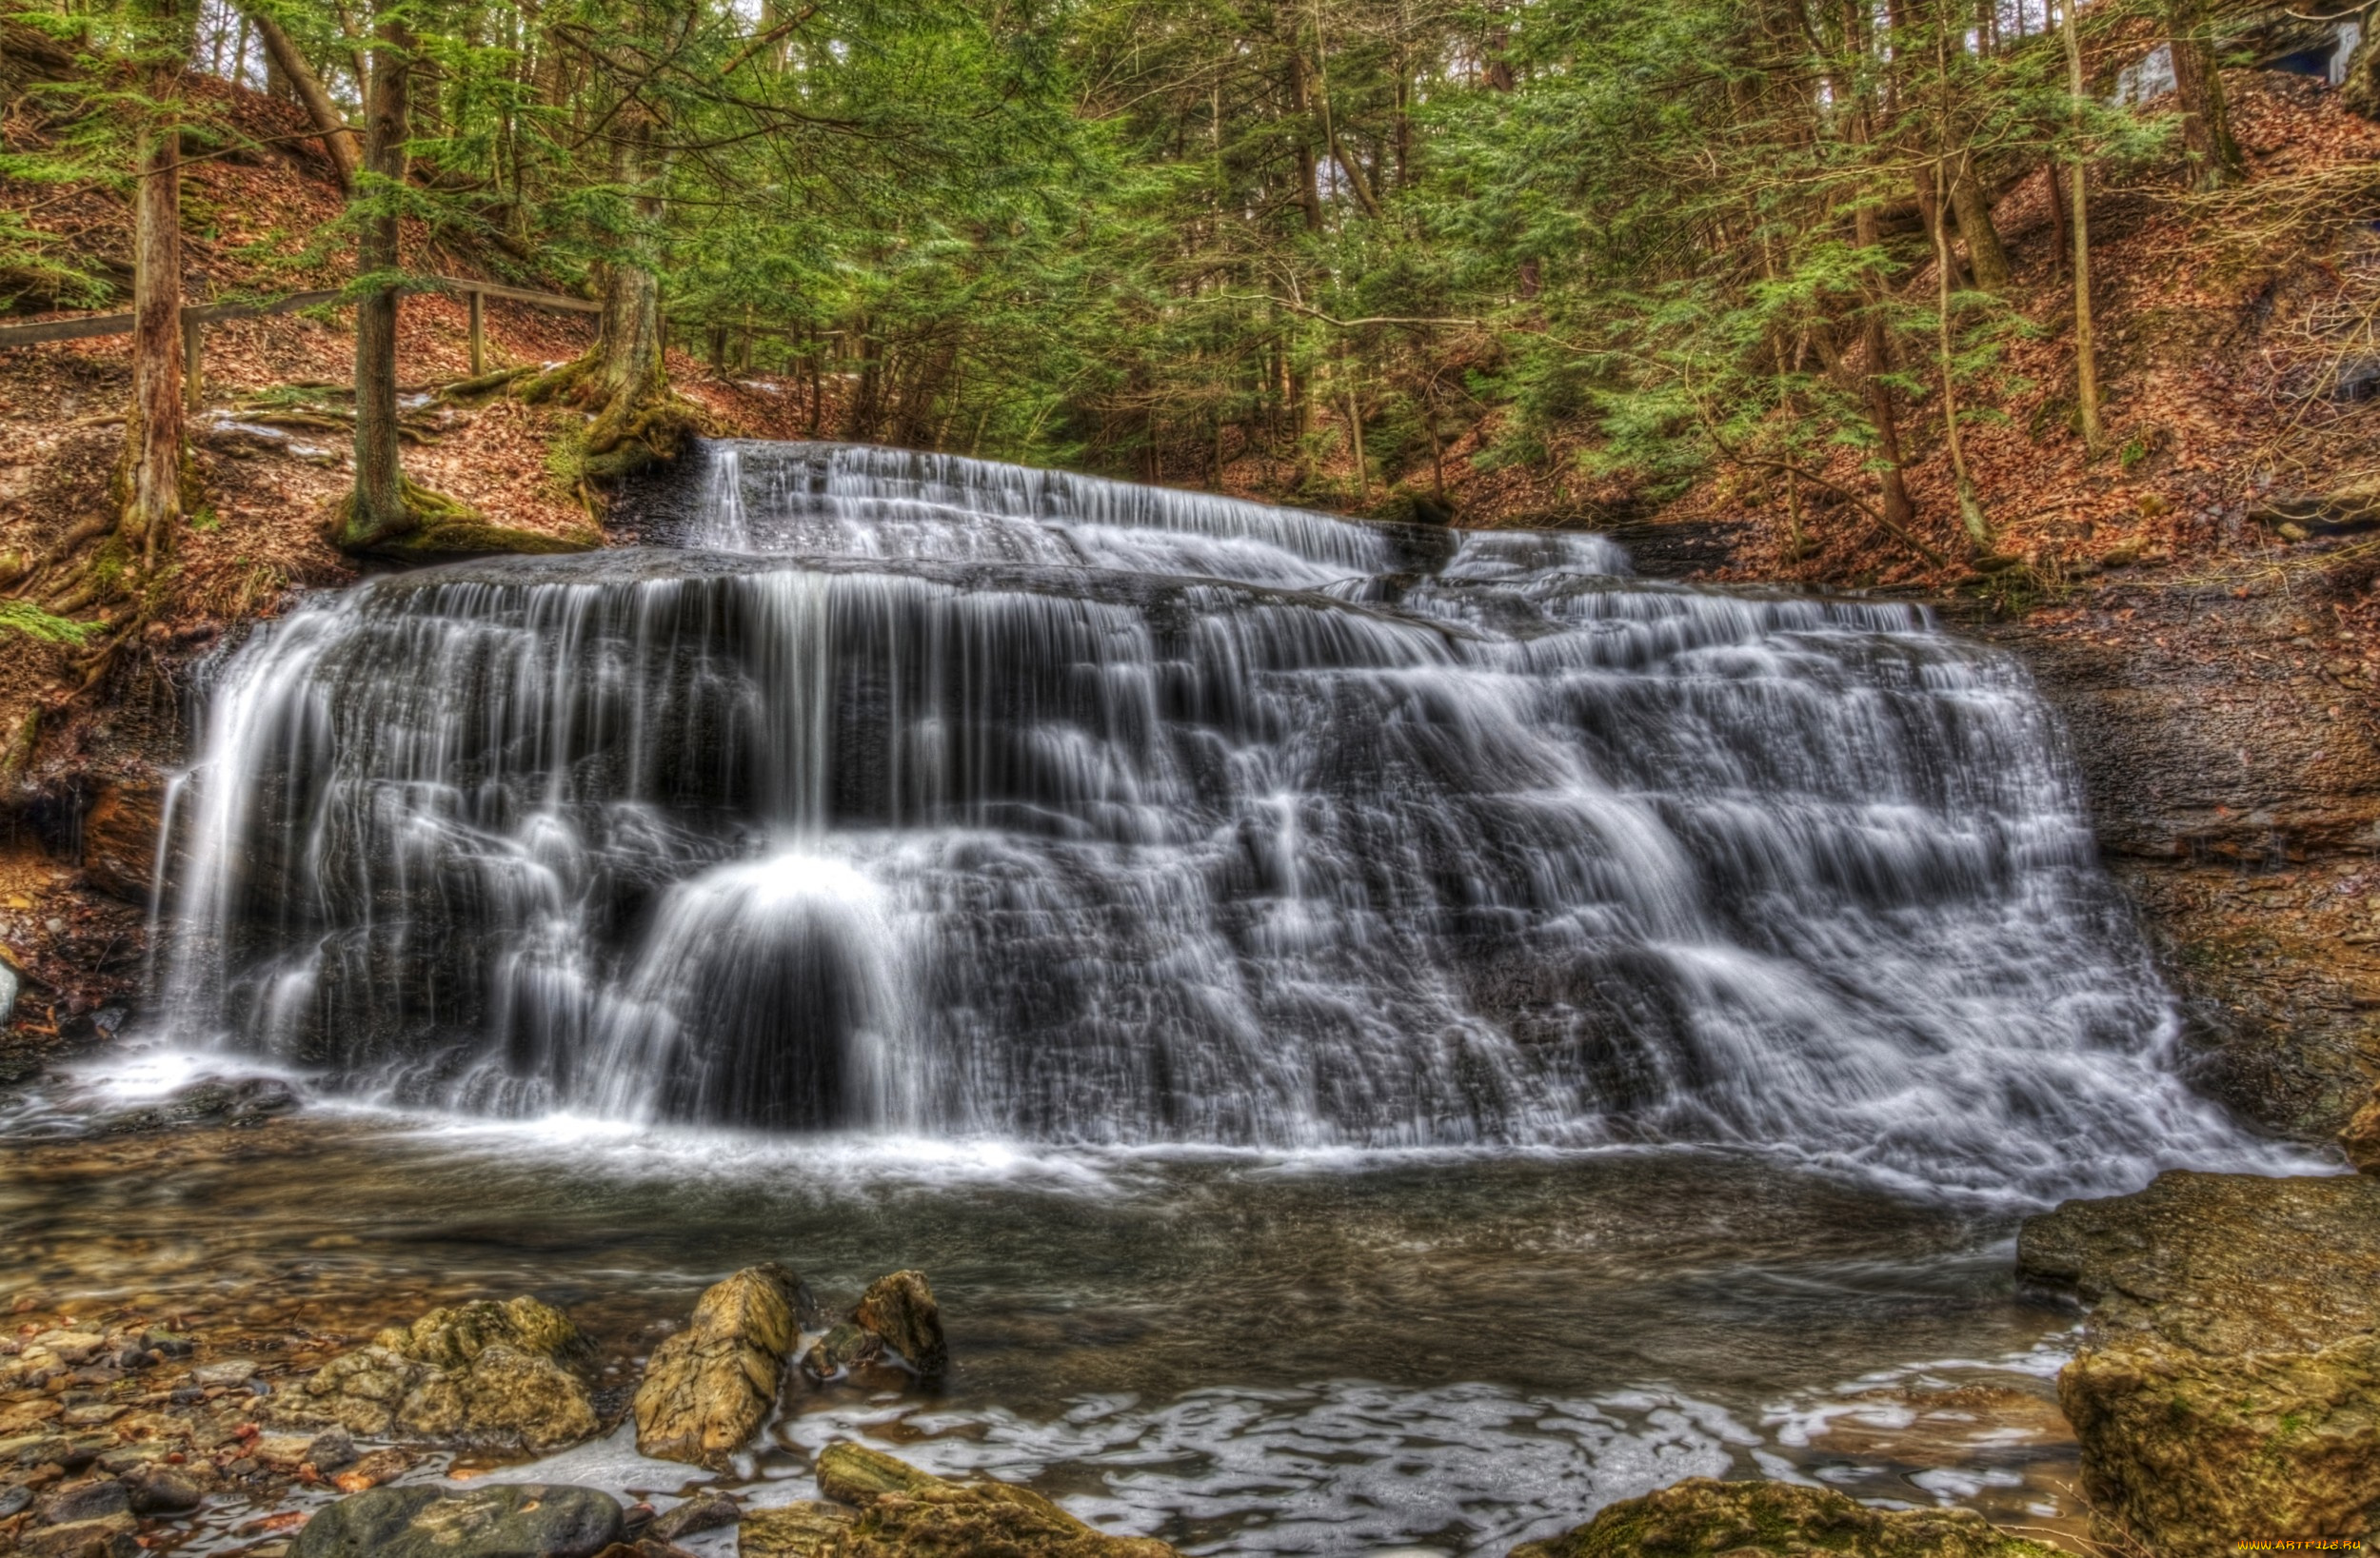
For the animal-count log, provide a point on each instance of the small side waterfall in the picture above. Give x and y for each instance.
(922, 794)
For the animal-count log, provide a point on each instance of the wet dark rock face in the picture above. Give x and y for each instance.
(2229, 753)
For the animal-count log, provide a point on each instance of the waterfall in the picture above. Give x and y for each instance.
(916, 794)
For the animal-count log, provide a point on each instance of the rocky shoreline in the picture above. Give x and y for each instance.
(2227, 1386)
(125, 1428)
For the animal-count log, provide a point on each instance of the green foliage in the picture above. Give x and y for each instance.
(25, 618)
(1654, 238)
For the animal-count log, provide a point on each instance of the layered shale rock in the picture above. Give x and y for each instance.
(2361, 1139)
(484, 1372)
(1699, 1517)
(710, 1388)
(2228, 1381)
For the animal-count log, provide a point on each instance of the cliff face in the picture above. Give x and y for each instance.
(2227, 737)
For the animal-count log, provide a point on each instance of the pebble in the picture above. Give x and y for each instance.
(167, 1491)
(223, 1373)
(86, 1501)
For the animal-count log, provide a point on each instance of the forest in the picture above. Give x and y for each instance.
(1564, 260)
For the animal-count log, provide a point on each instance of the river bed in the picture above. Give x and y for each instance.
(1344, 1352)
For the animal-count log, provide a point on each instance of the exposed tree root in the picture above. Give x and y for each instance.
(637, 424)
(439, 528)
(484, 387)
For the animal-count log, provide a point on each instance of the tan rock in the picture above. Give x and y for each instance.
(453, 1336)
(708, 1390)
(2362, 1137)
(1699, 1517)
(485, 1372)
(807, 1530)
(901, 1309)
(361, 1390)
(909, 1514)
(503, 1395)
(857, 1476)
(2228, 1381)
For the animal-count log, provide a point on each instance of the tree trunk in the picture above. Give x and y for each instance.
(290, 65)
(2057, 217)
(1987, 258)
(637, 424)
(151, 474)
(376, 511)
(1899, 512)
(2214, 153)
(1970, 505)
(2086, 350)
(1930, 216)
(1302, 115)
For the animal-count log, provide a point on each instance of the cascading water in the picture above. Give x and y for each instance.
(922, 794)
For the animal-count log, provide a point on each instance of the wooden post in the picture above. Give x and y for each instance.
(193, 363)
(479, 333)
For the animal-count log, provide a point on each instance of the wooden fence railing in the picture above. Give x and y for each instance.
(197, 317)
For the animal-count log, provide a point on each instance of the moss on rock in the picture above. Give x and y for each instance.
(484, 1373)
(2228, 1381)
(905, 1512)
(452, 540)
(1701, 1517)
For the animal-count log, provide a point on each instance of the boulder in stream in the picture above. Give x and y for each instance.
(514, 1520)
(898, 1313)
(708, 1388)
(484, 1372)
(1700, 1516)
(2229, 1380)
(901, 1309)
(885, 1507)
(238, 1102)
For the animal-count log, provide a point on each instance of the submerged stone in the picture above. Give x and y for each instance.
(508, 1521)
(708, 1390)
(841, 1350)
(110, 1536)
(905, 1512)
(703, 1512)
(2228, 1381)
(1701, 1517)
